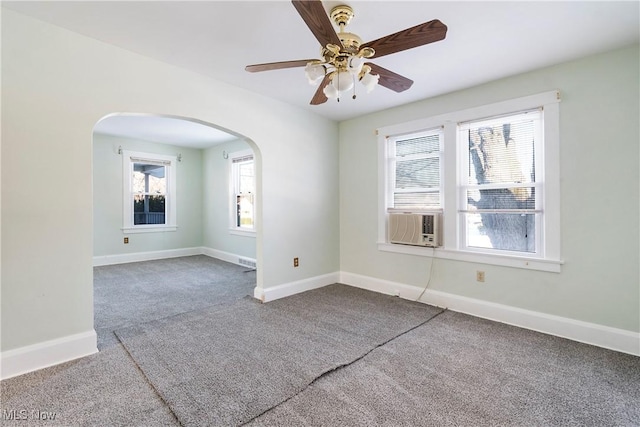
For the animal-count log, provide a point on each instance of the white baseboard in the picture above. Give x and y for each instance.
(48, 353)
(173, 253)
(228, 257)
(144, 256)
(590, 333)
(292, 288)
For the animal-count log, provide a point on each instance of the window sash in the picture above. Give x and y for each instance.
(132, 218)
(528, 207)
(519, 237)
(547, 162)
(416, 151)
(242, 192)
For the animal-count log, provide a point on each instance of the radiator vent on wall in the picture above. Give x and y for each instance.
(247, 262)
(415, 229)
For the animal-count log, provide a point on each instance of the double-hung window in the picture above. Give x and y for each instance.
(500, 190)
(242, 191)
(415, 165)
(492, 172)
(149, 192)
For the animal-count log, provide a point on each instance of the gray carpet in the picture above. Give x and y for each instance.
(128, 294)
(459, 370)
(105, 389)
(452, 370)
(225, 366)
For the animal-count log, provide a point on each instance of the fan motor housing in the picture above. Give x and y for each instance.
(341, 15)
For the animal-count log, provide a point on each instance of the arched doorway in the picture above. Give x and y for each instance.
(164, 216)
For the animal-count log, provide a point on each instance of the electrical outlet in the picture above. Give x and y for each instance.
(480, 276)
(126, 240)
(296, 263)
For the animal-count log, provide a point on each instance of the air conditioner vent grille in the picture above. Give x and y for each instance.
(415, 229)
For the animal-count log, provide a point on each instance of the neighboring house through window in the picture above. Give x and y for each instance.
(149, 192)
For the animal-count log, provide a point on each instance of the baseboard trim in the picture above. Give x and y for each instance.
(48, 353)
(144, 256)
(292, 288)
(228, 257)
(173, 253)
(589, 333)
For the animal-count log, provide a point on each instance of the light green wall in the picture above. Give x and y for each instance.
(108, 199)
(56, 85)
(599, 139)
(216, 233)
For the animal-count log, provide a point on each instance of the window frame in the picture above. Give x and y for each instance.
(538, 185)
(549, 258)
(234, 228)
(392, 161)
(128, 160)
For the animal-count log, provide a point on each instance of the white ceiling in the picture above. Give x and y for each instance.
(164, 130)
(485, 40)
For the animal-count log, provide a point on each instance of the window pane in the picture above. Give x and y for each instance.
(502, 152)
(246, 177)
(148, 209)
(417, 200)
(244, 209)
(419, 173)
(416, 180)
(149, 178)
(421, 145)
(502, 198)
(510, 232)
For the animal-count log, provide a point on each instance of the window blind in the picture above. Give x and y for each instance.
(416, 177)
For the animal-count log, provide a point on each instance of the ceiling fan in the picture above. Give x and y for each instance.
(344, 54)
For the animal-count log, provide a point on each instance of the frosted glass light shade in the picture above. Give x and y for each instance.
(314, 73)
(370, 81)
(330, 91)
(343, 81)
(355, 65)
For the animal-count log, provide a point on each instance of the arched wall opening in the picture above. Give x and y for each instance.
(202, 196)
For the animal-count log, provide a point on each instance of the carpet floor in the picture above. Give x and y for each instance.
(226, 366)
(336, 356)
(458, 370)
(129, 294)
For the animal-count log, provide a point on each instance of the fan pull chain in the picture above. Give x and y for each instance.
(354, 87)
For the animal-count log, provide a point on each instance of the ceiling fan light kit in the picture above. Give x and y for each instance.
(344, 54)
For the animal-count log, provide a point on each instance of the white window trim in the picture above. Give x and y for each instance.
(538, 185)
(170, 198)
(551, 260)
(391, 163)
(233, 228)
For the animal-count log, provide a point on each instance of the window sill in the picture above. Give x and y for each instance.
(240, 232)
(149, 229)
(548, 265)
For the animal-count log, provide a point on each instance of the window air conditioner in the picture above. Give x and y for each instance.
(415, 229)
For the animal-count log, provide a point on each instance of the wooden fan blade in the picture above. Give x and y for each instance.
(389, 79)
(316, 18)
(278, 65)
(319, 97)
(419, 35)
